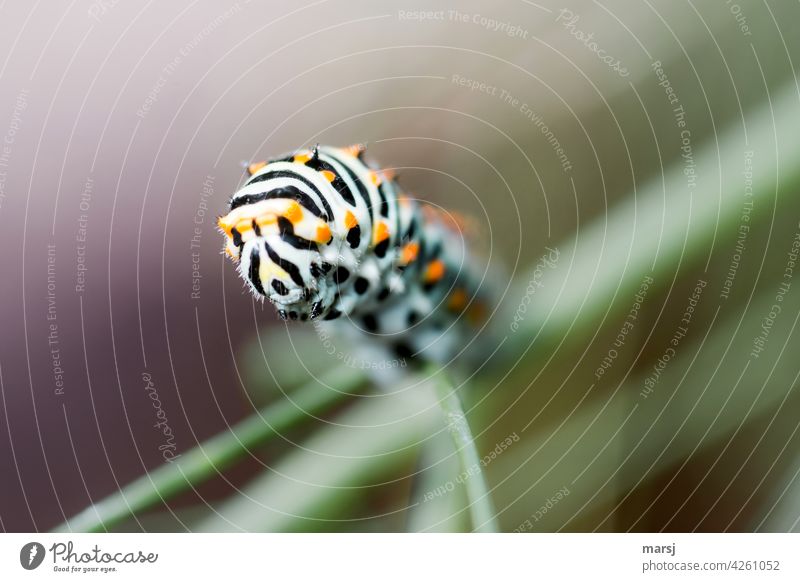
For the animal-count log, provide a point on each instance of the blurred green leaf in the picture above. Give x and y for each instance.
(216, 454)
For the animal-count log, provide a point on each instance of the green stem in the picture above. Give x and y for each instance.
(214, 455)
(314, 482)
(480, 503)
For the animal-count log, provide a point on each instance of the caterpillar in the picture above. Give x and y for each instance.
(325, 236)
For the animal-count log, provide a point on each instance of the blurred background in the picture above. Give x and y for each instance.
(631, 168)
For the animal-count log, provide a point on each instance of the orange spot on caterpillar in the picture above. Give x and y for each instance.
(244, 225)
(354, 150)
(477, 312)
(301, 158)
(323, 233)
(458, 300)
(223, 225)
(434, 271)
(409, 253)
(375, 178)
(266, 219)
(253, 168)
(294, 213)
(381, 233)
(226, 224)
(329, 176)
(350, 220)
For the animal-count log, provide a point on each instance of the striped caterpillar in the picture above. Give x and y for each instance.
(323, 235)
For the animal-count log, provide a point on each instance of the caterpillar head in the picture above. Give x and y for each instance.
(276, 245)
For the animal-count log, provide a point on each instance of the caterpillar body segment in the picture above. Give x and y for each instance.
(324, 236)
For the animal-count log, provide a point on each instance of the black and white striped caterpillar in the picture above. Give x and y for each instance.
(323, 235)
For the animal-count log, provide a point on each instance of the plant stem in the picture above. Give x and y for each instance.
(480, 503)
(360, 454)
(214, 455)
